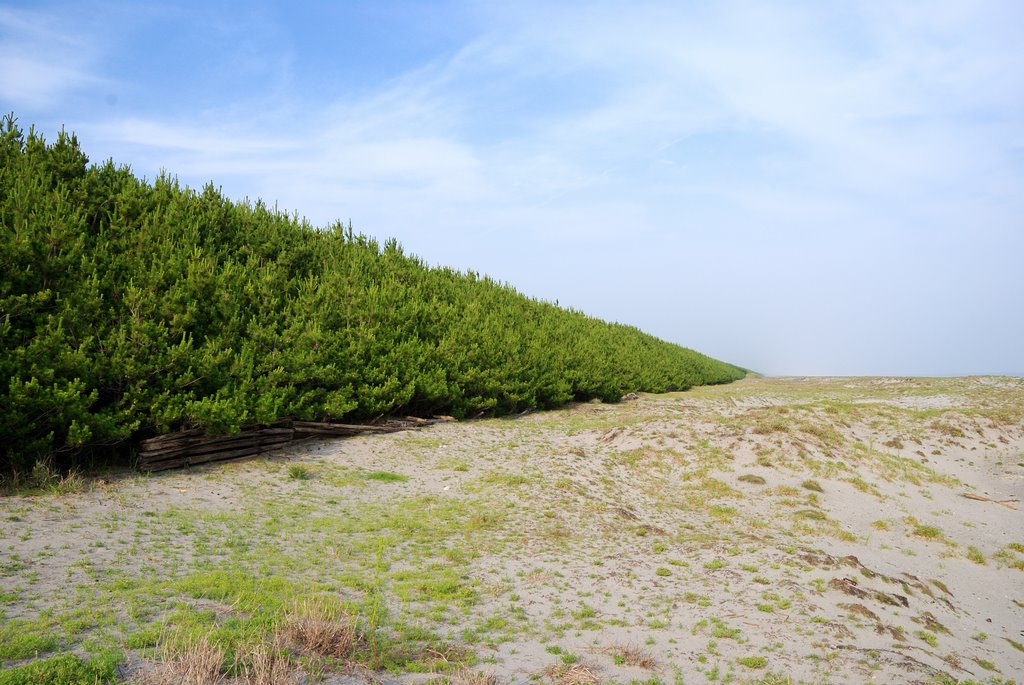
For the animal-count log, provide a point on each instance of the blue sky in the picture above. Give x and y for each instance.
(796, 187)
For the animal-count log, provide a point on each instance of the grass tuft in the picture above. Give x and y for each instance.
(571, 674)
(631, 655)
(975, 555)
(197, 662)
(299, 472)
(752, 661)
(318, 631)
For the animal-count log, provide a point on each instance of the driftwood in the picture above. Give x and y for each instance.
(193, 446)
(1008, 503)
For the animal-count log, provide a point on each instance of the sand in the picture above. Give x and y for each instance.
(810, 529)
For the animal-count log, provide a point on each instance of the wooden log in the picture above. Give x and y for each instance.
(196, 459)
(193, 446)
(211, 442)
(189, 439)
(211, 447)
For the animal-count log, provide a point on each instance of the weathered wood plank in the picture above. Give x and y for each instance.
(193, 447)
(182, 461)
(212, 442)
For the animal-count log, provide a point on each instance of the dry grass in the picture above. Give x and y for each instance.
(316, 630)
(631, 655)
(467, 677)
(571, 674)
(201, 663)
(197, 663)
(268, 665)
(313, 630)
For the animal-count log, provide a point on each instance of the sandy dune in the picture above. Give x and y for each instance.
(772, 530)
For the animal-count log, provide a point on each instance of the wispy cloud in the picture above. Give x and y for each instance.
(657, 143)
(42, 60)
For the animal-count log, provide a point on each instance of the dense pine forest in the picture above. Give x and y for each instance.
(130, 308)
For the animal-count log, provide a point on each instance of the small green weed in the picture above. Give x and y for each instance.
(986, 664)
(928, 532)
(299, 472)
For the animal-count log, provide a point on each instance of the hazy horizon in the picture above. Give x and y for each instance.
(795, 188)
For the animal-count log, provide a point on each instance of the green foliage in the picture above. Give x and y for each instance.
(23, 639)
(387, 476)
(130, 308)
(299, 472)
(65, 669)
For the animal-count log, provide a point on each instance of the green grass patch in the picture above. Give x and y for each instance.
(386, 477)
(928, 532)
(22, 639)
(506, 478)
(65, 669)
(975, 555)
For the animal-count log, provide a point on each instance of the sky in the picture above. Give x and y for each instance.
(799, 188)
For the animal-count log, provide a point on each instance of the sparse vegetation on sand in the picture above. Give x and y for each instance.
(599, 543)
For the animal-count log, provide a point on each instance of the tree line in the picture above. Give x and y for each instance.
(130, 308)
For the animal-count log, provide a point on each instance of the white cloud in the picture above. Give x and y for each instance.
(26, 82)
(661, 144)
(41, 61)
